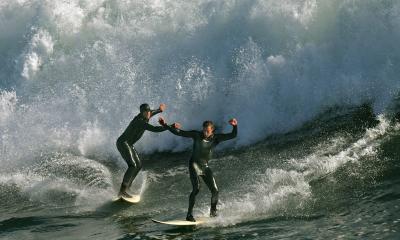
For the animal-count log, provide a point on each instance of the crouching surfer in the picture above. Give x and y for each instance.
(131, 135)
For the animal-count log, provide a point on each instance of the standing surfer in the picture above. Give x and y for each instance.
(204, 143)
(132, 134)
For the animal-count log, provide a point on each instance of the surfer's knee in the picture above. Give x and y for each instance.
(132, 166)
(138, 165)
(195, 190)
(118, 143)
(214, 191)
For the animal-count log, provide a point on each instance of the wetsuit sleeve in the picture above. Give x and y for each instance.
(227, 136)
(179, 132)
(152, 128)
(154, 112)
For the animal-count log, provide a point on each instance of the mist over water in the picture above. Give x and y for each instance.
(73, 74)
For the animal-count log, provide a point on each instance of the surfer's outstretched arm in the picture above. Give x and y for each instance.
(227, 136)
(175, 129)
(152, 128)
(159, 110)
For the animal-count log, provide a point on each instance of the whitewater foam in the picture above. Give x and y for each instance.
(288, 192)
(63, 181)
(8, 102)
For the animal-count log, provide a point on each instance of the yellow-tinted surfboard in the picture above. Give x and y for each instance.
(133, 199)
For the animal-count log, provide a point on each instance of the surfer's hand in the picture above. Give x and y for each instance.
(162, 107)
(233, 122)
(161, 121)
(176, 125)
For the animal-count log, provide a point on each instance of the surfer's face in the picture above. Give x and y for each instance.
(208, 131)
(147, 114)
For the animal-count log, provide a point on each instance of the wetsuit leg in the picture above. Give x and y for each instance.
(131, 157)
(138, 166)
(194, 178)
(208, 178)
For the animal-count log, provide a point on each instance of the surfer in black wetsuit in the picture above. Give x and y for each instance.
(204, 143)
(131, 135)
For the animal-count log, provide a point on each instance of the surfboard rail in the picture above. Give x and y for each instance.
(181, 222)
(133, 199)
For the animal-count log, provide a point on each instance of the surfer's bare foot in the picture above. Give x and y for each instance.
(190, 218)
(213, 213)
(124, 194)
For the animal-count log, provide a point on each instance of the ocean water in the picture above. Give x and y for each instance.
(314, 85)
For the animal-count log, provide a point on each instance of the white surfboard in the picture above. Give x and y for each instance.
(182, 222)
(133, 199)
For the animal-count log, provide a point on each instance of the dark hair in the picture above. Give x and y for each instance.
(144, 108)
(208, 123)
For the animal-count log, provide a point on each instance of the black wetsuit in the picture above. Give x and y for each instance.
(125, 143)
(198, 163)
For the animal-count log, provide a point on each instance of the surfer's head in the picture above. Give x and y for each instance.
(208, 128)
(145, 110)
